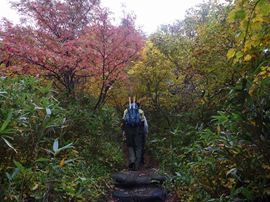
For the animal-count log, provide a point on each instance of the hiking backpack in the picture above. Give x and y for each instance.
(132, 117)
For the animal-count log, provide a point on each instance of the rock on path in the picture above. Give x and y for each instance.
(139, 186)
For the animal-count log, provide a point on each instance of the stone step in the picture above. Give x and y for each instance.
(137, 178)
(142, 194)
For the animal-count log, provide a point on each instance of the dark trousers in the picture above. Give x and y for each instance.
(135, 143)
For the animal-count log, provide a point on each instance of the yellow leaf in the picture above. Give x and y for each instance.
(231, 53)
(231, 16)
(251, 90)
(35, 187)
(266, 191)
(256, 26)
(247, 58)
(253, 123)
(229, 184)
(266, 167)
(248, 46)
(62, 162)
(221, 145)
(218, 129)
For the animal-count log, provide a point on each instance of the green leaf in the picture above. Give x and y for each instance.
(19, 165)
(9, 144)
(69, 146)
(264, 67)
(3, 93)
(48, 111)
(69, 161)
(231, 16)
(55, 145)
(264, 7)
(42, 160)
(11, 177)
(38, 108)
(15, 172)
(49, 151)
(239, 55)
(232, 172)
(240, 14)
(6, 122)
(8, 176)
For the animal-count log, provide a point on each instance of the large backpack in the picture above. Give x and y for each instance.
(132, 117)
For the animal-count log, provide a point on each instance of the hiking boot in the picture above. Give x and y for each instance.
(137, 165)
(142, 162)
(131, 166)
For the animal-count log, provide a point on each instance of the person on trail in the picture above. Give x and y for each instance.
(133, 128)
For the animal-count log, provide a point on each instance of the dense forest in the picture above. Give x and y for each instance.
(203, 82)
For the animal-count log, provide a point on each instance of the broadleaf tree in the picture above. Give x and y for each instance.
(70, 40)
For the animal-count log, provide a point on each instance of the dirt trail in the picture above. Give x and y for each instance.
(140, 186)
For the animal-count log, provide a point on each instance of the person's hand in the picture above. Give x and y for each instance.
(124, 136)
(146, 135)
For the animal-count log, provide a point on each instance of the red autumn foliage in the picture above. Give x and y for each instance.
(113, 48)
(69, 40)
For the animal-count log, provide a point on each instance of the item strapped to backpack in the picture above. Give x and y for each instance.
(132, 117)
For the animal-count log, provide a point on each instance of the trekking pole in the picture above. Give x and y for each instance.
(134, 100)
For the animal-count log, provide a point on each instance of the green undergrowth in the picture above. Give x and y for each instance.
(53, 150)
(224, 159)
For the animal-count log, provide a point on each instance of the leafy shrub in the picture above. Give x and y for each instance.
(222, 164)
(30, 112)
(96, 133)
(32, 117)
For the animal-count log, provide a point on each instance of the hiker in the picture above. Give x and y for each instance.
(133, 127)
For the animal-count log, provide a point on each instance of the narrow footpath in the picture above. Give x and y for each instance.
(144, 185)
